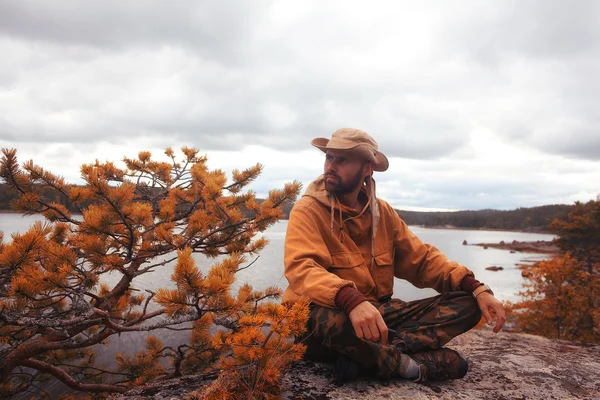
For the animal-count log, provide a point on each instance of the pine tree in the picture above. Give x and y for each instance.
(579, 234)
(561, 297)
(54, 306)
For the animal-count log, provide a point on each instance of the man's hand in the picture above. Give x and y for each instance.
(487, 303)
(368, 323)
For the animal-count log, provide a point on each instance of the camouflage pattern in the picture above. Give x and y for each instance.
(419, 325)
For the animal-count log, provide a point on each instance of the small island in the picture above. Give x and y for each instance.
(540, 246)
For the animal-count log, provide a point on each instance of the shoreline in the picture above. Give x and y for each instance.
(538, 247)
(437, 227)
(458, 228)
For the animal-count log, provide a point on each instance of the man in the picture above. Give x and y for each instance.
(343, 248)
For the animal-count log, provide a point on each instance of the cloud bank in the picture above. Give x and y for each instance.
(477, 104)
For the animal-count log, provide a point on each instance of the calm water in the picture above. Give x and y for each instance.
(268, 269)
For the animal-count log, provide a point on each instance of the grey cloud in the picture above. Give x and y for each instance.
(474, 193)
(423, 140)
(541, 28)
(225, 113)
(229, 116)
(227, 75)
(215, 28)
(572, 135)
(578, 143)
(553, 43)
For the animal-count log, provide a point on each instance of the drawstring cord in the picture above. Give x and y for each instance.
(335, 202)
(341, 221)
(331, 198)
(374, 214)
(371, 204)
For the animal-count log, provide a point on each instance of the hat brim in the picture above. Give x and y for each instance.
(380, 163)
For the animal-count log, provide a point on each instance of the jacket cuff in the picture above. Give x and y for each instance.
(469, 284)
(347, 298)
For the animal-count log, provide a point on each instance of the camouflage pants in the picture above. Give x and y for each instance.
(420, 325)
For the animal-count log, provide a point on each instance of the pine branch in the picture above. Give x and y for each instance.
(68, 380)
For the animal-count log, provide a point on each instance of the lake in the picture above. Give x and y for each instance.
(268, 270)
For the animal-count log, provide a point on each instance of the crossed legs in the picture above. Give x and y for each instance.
(420, 325)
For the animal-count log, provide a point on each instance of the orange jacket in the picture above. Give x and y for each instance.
(326, 251)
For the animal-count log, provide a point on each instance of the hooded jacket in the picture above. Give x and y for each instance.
(328, 247)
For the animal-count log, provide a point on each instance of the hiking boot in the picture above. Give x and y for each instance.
(345, 369)
(440, 364)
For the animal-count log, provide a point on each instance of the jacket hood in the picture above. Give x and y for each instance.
(317, 191)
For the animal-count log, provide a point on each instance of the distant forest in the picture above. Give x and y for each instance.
(7, 195)
(534, 219)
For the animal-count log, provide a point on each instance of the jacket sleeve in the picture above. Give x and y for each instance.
(306, 259)
(424, 265)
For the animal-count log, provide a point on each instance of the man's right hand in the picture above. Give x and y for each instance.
(368, 323)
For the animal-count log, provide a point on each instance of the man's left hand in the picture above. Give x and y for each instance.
(488, 304)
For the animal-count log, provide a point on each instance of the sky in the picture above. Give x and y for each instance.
(477, 104)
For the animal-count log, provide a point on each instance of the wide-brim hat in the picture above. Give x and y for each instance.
(357, 142)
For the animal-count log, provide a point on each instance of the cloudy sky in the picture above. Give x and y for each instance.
(477, 104)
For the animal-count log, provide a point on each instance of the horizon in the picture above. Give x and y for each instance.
(488, 105)
(415, 209)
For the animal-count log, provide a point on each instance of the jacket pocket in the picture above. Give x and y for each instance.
(384, 272)
(352, 267)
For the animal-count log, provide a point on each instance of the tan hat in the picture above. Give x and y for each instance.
(358, 142)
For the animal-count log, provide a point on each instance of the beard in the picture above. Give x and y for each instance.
(341, 187)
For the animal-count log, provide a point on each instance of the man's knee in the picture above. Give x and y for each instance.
(329, 322)
(472, 312)
(461, 306)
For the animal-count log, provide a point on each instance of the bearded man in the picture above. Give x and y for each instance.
(343, 248)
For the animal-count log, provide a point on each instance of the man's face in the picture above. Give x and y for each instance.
(344, 172)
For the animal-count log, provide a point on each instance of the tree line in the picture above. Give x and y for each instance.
(534, 219)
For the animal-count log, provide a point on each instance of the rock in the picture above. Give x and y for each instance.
(494, 268)
(512, 252)
(526, 247)
(501, 366)
(465, 242)
(177, 388)
(485, 247)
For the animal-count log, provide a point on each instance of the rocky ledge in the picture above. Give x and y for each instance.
(541, 246)
(501, 366)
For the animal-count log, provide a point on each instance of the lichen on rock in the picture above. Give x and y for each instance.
(501, 366)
